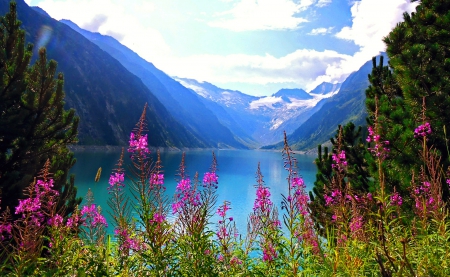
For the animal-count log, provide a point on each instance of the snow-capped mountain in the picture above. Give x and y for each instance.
(264, 118)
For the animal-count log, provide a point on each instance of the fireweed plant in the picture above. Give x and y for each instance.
(372, 234)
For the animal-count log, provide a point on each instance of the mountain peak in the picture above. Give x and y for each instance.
(41, 11)
(297, 93)
(326, 88)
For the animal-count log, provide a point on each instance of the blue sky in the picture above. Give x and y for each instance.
(255, 46)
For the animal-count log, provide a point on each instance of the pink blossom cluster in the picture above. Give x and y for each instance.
(308, 235)
(356, 223)
(5, 230)
(74, 221)
(116, 181)
(138, 144)
(127, 242)
(262, 201)
(334, 198)
(222, 233)
(55, 221)
(157, 179)
(424, 200)
(210, 179)
(448, 182)
(339, 161)
(185, 195)
(158, 218)
(396, 199)
(423, 130)
(380, 148)
(300, 197)
(33, 206)
(91, 216)
(235, 261)
(269, 253)
(222, 210)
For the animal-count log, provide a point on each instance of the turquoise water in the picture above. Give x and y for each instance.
(236, 170)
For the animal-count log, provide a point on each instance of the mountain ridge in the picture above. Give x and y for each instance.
(107, 113)
(183, 105)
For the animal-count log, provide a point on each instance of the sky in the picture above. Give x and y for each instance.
(254, 46)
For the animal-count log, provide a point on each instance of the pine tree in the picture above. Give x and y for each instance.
(396, 124)
(412, 90)
(34, 126)
(349, 139)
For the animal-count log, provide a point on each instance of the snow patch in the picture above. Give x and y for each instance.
(276, 122)
(199, 90)
(268, 101)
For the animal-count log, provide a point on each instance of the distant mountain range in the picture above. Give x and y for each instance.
(108, 84)
(263, 118)
(348, 105)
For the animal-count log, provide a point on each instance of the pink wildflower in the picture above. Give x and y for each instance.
(222, 233)
(55, 221)
(262, 200)
(185, 195)
(92, 216)
(157, 179)
(116, 181)
(158, 218)
(339, 161)
(422, 130)
(210, 179)
(396, 199)
(380, 148)
(356, 224)
(127, 242)
(269, 253)
(222, 210)
(235, 261)
(138, 144)
(5, 230)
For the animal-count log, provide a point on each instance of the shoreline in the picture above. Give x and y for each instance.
(118, 148)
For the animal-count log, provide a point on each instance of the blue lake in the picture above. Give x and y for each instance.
(236, 170)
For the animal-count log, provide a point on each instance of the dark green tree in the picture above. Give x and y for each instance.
(34, 126)
(349, 139)
(412, 90)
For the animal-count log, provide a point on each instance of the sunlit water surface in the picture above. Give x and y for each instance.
(236, 170)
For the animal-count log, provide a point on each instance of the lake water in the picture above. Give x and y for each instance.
(236, 170)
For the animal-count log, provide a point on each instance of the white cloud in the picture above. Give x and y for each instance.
(374, 19)
(305, 68)
(323, 3)
(249, 15)
(371, 21)
(110, 17)
(320, 31)
(300, 67)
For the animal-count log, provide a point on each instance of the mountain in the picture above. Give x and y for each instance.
(345, 106)
(263, 119)
(325, 88)
(107, 97)
(183, 104)
(230, 107)
(296, 93)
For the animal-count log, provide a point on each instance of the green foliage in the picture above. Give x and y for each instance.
(420, 59)
(34, 126)
(386, 104)
(348, 139)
